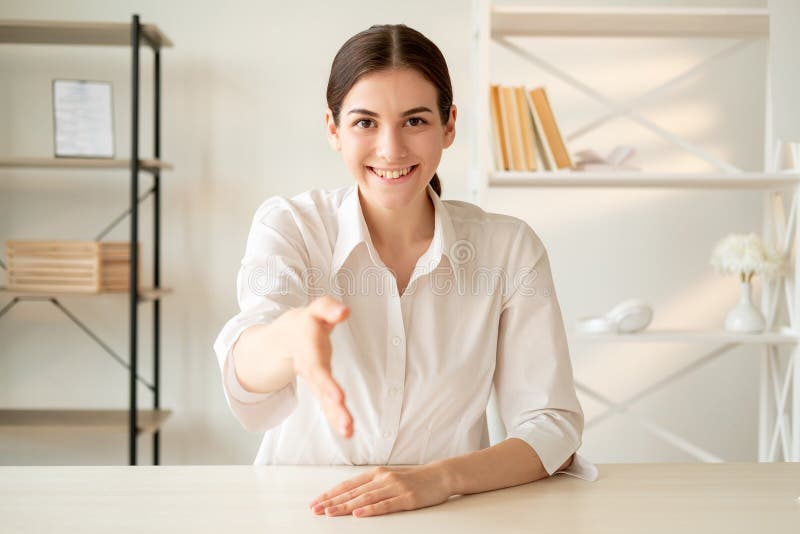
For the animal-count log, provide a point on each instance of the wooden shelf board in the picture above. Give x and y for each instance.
(743, 180)
(556, 21)
(783, 336)
(149, 165)
(78, 33)
(145, 294)
(148, 421)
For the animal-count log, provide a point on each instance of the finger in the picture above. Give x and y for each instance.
(344, 486)
(331, 397)
(328, 310)
(367, 497)
(322, 377)
(333, 412)
(393, 504)
(349, 495)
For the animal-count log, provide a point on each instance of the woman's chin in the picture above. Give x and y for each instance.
(391, 197)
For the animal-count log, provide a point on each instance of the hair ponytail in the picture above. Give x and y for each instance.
(436, 185)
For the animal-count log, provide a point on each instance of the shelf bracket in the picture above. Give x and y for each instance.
(122, 216)
(655, 429)
(781, 418)
(652, 94)
(623, 407)
(8, 306)
(55, 302)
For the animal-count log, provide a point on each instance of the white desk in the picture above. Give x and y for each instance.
(652, 498)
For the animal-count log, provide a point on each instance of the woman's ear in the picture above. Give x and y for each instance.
(450, 127)
(332, 131)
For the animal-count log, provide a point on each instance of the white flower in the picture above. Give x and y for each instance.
(746, 255)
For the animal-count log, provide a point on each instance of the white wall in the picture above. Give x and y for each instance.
(243, 107)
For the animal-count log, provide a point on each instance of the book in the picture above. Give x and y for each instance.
(511, 118)
(550, 128)
(497, 129)
(505, 137)
(542, 146)
(527, 130)
(622, 158)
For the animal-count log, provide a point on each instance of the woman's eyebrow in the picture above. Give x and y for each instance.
(420, 109)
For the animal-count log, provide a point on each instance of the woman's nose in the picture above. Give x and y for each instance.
(391, 145)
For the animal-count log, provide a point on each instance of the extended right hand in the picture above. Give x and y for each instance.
(307, 334)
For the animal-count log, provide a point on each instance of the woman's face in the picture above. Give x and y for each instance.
(389, 122)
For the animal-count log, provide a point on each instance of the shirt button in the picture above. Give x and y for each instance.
(396, 341)
(387, 434)
(394, 390)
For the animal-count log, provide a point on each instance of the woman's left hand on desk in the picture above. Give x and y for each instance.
(384, 490)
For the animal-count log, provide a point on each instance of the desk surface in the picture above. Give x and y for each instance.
(743, 497)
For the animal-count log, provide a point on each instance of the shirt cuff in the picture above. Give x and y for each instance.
(581, 468)
(553, 437)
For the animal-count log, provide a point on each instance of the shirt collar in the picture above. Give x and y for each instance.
(353, 231)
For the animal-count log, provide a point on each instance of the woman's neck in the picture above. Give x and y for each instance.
(398, 230)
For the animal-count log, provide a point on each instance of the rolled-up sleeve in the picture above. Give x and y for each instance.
(271, 280)
(533, 376)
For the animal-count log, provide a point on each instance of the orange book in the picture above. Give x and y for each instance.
(550, 128)
(511, 118)
(499, 144)
(526, 126)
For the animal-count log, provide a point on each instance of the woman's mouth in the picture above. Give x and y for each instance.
(393, 176)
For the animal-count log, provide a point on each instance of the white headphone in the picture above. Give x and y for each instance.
(626, 317)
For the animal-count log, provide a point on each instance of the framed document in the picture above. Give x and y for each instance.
(83, 117)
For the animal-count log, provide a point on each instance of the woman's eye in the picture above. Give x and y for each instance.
(369, 122)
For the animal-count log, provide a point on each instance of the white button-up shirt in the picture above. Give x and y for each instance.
(417, 368)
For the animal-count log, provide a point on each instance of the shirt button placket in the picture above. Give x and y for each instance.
(395, 378)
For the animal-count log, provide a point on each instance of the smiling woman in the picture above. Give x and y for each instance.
(392, 313)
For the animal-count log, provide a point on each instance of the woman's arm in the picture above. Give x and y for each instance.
(509, 463)
(384, 490)
(262, 364)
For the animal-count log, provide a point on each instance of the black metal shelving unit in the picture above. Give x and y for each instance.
(107, 34)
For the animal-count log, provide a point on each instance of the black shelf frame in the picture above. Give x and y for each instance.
(136, 40)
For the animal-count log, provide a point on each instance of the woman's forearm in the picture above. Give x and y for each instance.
(261, 364)
(509, 463)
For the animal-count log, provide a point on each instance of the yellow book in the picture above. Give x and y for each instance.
(550, 128)
(498, 130)
(511, 118)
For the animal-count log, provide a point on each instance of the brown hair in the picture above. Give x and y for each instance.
(388, 46)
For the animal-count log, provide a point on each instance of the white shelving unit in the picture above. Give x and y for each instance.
(779, 403)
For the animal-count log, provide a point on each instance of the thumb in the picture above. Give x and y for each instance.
(329, 310)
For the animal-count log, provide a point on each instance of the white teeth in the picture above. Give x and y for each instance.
(392, 174)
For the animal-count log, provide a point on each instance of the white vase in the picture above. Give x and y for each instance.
(745, 317)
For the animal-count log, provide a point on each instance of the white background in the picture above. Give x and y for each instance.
(243, 107)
